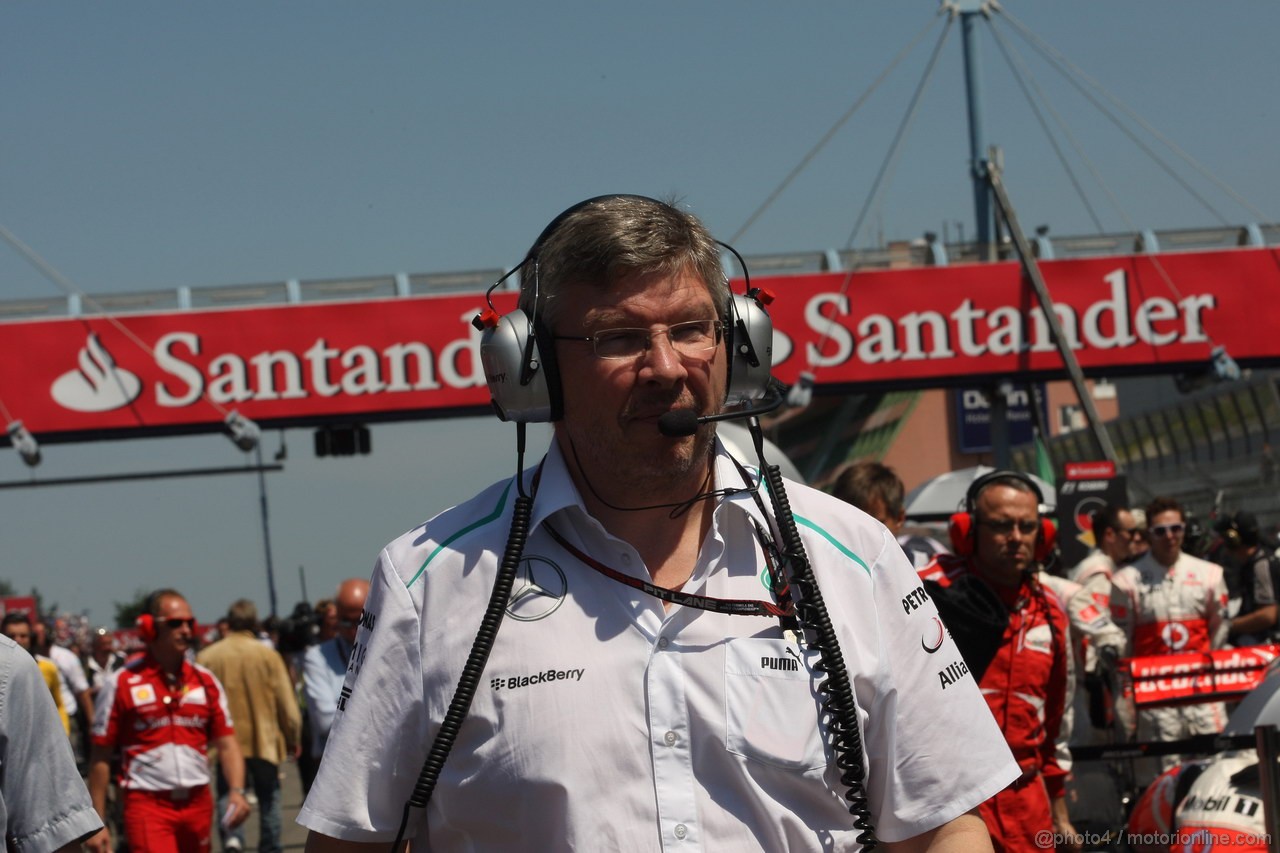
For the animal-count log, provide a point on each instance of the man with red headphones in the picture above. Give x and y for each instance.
(162, 713)
(1012, 632)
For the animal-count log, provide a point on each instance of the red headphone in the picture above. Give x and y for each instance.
(146, 622)
(961, 526)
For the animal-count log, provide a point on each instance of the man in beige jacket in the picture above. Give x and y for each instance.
(267, 720)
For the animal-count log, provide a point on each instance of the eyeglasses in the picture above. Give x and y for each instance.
(1004, 526)
(1132, 532)
(1167, 529)
(348, 623)
(175, 624)
(691, 338)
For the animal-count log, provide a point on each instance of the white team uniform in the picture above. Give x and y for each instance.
(603, 722)
(1166, 611)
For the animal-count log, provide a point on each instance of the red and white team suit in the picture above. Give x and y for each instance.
(1174, 610)
(161, 730)
(1025, 686)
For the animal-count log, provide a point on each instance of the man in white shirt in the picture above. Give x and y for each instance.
(1170, 602)
(76, 696)
(324, 665)
(648, 689)
(1097, 706)
(1114, 535)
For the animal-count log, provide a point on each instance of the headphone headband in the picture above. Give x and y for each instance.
(517, 351)
(572, 209)
(980, 483)
(962, 526)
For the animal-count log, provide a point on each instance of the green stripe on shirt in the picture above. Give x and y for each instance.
(497, 513)
(827, 536)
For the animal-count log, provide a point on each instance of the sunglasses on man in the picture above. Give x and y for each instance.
(1167, 529)
(1004, 526)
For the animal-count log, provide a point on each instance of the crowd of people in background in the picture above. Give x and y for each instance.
(1042, 639)
(1046, 642)
(142, 710)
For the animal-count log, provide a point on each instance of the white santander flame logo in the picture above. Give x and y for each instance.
(98, 385)
(782, 347)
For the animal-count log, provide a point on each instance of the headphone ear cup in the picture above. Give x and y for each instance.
(146, 625)
(960, 529)
(749, 342)
(520, 380)
(1047, 538)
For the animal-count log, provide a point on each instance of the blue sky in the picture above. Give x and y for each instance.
(149, 145)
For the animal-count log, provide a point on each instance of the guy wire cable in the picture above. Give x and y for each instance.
(1057, 60)
(890, 158)
(1133, 114)
(830, 134)
(62, 282)
(1022, 76)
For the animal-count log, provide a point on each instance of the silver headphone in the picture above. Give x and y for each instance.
(518, 354)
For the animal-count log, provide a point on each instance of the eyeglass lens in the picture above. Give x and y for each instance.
(689, 338)
(1005, 526)
(1167, 529)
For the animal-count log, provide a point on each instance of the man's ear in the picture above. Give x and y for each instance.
(896, 528)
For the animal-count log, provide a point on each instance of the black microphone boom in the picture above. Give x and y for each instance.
(681, 422)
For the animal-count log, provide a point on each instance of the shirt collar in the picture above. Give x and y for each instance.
(151, 664)
(557, 491)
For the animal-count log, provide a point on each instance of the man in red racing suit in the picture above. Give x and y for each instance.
(1025, 676)
(162, 712)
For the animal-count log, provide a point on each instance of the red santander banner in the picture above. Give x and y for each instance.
(418, 357)
(949, 323)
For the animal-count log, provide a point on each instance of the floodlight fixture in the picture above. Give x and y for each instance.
(800, 394)
(245, 434)
(1221, 368)
(24, 442)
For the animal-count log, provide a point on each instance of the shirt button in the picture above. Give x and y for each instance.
(681, 830)
(670, 738)
(663, 642)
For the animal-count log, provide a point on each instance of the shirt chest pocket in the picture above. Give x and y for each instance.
(771, 706)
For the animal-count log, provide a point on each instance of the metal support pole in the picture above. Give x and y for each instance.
(1269, 781)
(998, 403)
(969, 18)
(1032, 270)
(266, 529)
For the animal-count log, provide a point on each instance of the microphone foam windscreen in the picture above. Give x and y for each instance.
(678, 423)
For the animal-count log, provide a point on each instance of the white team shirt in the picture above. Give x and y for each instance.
(74, 681)
(1096, 563)
(604, 723)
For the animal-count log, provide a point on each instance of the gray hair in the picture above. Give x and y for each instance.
(604, 240)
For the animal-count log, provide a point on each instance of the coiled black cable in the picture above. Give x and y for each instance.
(473, 670)
(838, 697)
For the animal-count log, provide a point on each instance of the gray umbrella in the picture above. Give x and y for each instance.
(937, 499)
